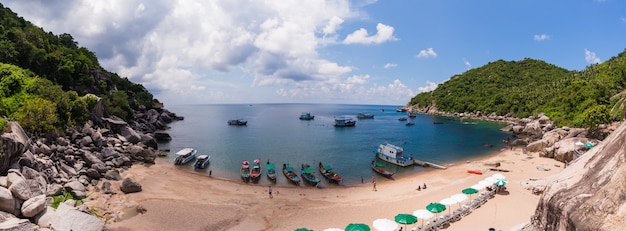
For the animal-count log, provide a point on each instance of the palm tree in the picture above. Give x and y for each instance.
(620, 106)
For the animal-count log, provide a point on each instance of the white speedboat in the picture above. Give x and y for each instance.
(185, 155)
(202, 161)
(393, 154)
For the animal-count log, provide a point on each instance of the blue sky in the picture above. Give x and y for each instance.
(324, 51)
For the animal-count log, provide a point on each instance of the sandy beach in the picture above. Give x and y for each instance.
(179, 200)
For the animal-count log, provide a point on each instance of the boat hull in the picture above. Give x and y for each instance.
(291, 175)
(382, 171)
(404, 162)
(330, 175)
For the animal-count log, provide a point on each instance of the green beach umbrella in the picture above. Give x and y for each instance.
(501, 182)
(436, 207)
(303, 229)
(405, 219)
(469, 191)
(357, 227)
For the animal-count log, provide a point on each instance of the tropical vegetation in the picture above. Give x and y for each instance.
(48, 82)
(529, 87)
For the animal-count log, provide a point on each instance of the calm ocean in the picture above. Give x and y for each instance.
(275, 133)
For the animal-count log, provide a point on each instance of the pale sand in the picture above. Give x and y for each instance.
(179, 200)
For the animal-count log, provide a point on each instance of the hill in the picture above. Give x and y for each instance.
(528, 87)
(44, 72)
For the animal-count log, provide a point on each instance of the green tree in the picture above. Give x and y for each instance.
(37, 115)
(618, 110)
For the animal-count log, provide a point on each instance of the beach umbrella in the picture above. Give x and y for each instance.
(459, 197)
(333, 229)
(498, 176)
(448, 201)
(490, 179)
(501, 182)
(423, 214)
(477, 187)
(384, 224)
(435, 208)
(303, 229)
(405, 219)
(470, 191)
(357, 227)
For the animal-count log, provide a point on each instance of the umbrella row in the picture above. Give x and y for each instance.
(429, 212)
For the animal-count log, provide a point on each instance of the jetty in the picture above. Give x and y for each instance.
(428, 164)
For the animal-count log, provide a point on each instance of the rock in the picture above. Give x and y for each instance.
(15, 142)
(130, 186)
(54, 190)
(589, 193)
(8, 203)
(34, 206)
(77, 189)
(112, 174)
(106, 188)
(68, 218)
(44, 218)
(130, 134)
(162, 136)
(15, 224)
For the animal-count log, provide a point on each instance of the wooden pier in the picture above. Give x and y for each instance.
(428, 164)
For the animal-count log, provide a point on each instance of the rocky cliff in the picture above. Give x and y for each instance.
(590, 194)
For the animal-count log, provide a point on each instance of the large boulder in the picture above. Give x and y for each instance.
(589, 193)
(8, 203)
(69, 218)
(34, 206)
(13, 143)
(130, 186)
(130, 134)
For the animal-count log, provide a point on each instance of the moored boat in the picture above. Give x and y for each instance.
(239, 122)
(255, 173)
(185, 155)
(344, 121)
(270, 171)
(308, 175)
(412, 114)
(410, 123)
(393, 154)
(290, 173)
(378, 168)
(364, 116)
(306, 116)
(402, 118)
(202, 161)
(245, 171)
(327, 171)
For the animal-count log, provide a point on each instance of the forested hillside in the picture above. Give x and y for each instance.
(42, 72)
(528, 87)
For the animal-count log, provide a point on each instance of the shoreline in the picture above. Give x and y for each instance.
(175, 199)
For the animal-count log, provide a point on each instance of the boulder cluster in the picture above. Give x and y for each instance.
(39, 170)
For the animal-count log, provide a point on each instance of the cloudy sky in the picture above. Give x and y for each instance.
(324, 51)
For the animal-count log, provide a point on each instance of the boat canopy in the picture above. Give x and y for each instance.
(327, 167)
(270, 165)
(308, 170)
(289, 169)
(379, 165)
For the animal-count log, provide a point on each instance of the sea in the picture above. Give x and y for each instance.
(275, 133)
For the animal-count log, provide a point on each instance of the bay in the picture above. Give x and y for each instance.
(275, 133)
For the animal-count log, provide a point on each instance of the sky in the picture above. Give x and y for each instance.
(324, 51)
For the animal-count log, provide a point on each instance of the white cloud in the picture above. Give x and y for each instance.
(384, 33)
(333, 24)
(390, 65)
(430, 86)
(429, 52)
(541, 37)
(591, 57)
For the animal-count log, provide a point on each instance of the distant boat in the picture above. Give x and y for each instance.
(328, 172)
(270, 170)
(306, 116)
(401, 110)
(202, 161)
(255, 173)
(402, 119)
(410, 123)
(308, 175)
(412, 114)
(245, 171)
(344, 121)
(185, 155)
(364, 116)
(378, 168)
(290, 173)
(239, 122)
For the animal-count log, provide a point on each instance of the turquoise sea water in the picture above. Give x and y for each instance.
(275, 133)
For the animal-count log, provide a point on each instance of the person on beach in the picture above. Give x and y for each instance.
(270, 192)
(424, 185)
(419, 188)
(374, 189)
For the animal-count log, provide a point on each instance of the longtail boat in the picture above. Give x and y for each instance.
(255, 173)
(270, 170)
(327, 171)
(291, 174)
(378, 168)
(308, 175)
(245, 171)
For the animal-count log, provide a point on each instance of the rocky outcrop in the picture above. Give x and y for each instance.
(14, 143)
(589, 193)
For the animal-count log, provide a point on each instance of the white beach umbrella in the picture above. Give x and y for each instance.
(490, 179)
(423, 214)
(498, 176)
(333, 229)
(477, 187)
(384, 224)
(485, 183)
(448, 201)
(459, 197)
